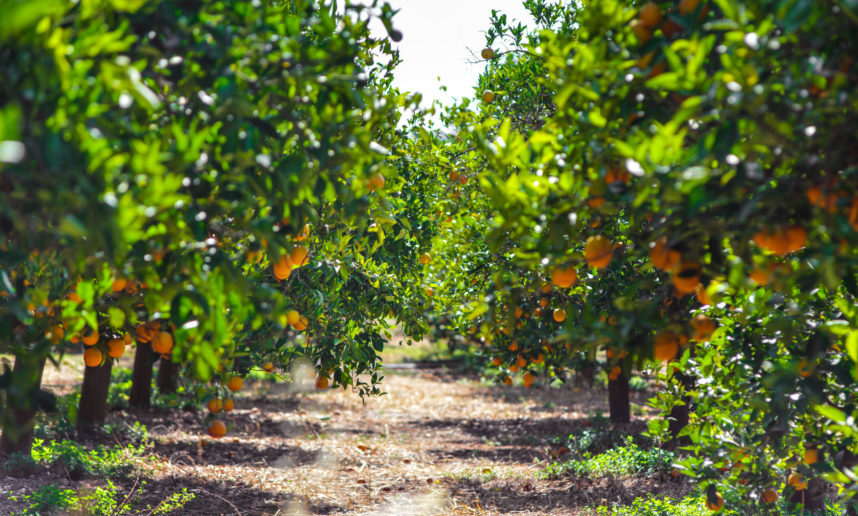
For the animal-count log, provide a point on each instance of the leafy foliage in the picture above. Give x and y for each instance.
(626, 459)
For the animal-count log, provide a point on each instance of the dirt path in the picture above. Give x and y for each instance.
(434, 444)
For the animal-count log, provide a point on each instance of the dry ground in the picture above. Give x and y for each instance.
(436, 443)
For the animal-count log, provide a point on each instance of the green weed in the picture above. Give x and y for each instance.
(624, 460)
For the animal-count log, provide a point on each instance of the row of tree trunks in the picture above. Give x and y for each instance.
(19, 423)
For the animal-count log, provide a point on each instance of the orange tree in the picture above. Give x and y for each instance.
(156, 160)
(698, 175)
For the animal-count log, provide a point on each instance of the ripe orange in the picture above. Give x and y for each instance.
(514, 368)
(776, 242)
(598, 251)
(268, 367)
(716, 503)
(686, 277)
(702, 296)
(292, 317)
(454, 175)
(144, 332)
(615, 175)
(301, 325)
(55, 333)
(546, 288)
(796, 481)
(811, 456)
(615, 373)
(513, 346)
(162, 343)
(299, 255)
(488, 96)
(376, 181)
(666, 346)
(563, 277)
(663, 257)
(703, 327)
(518, 312)
(769, 496)
(543, 302)
(217, 429)
(116, 347)
(322, 382)
(118, 285)
(215, 405)
(596, 202)
(650, 15)
(487, 53)
(90, 337)
(507, 381)
(760, 276)
(283, 268)
(559, 315)
(520, 361)
(796, 237)
(528, 379)
(228, 404)
(539, 359)
(497, 361)
(92, 357)
(234, 384)
(425, 258)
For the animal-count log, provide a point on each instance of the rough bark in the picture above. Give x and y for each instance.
(18, 429)
(141, 377)
(619, 399)
(168, 376)
(92, 409)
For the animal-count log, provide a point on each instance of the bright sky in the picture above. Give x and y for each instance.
(440, 38)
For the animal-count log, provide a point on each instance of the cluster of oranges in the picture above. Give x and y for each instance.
(217, 427)
(93, 354)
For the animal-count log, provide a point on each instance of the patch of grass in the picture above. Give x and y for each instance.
(102, 461)
(101, 501)
(695, 505)
(689, 506)
(629, 459)
(636, 383)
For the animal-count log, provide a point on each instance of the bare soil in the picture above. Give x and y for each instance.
(436, 443)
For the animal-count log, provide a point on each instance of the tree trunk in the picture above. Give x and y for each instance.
(20, 420)
(168, 376)
(92, 410)
(586, 375)
(618, 399)
(141, 377)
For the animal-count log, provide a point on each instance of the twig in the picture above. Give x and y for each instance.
(238, 512)
(125, 500)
